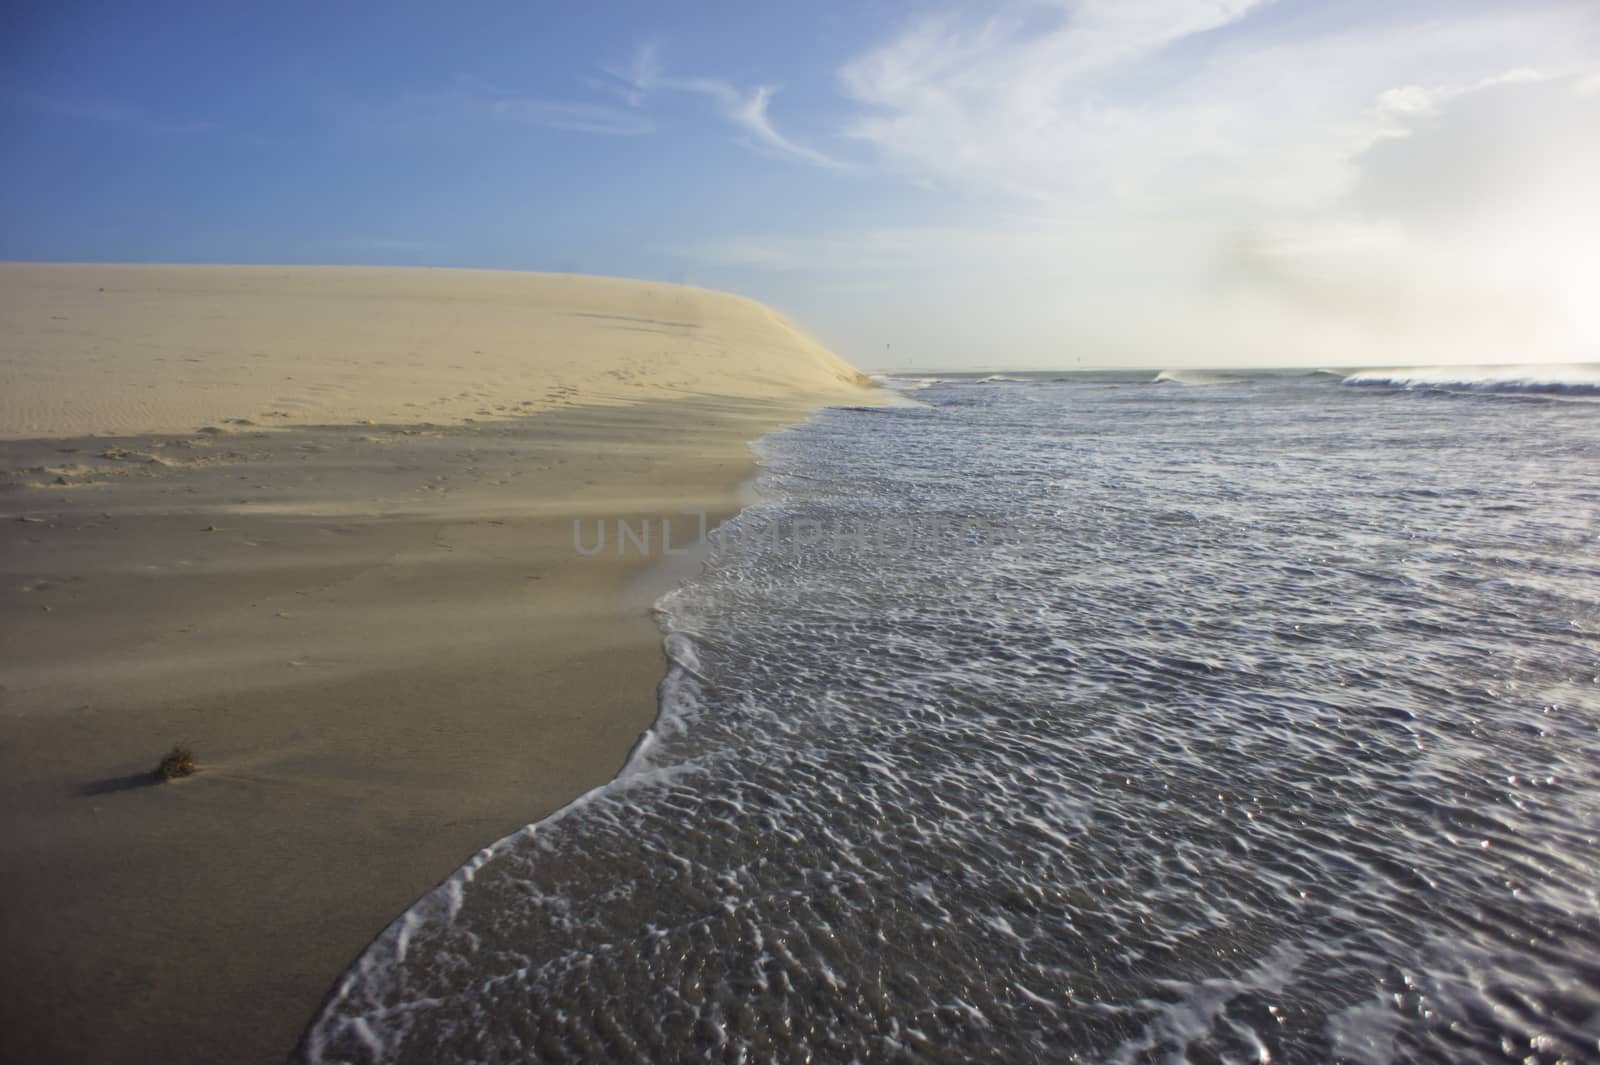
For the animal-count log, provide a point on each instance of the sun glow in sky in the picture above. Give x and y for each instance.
(1055, 184)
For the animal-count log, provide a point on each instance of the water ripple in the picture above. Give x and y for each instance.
(1273, 739)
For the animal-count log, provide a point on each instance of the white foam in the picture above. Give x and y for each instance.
(1201, 1005)
(1571, 378)
(1189, 377)
(912, 383)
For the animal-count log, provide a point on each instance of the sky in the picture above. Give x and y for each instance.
(1032, 184)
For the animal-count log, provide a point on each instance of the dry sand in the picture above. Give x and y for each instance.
(140, 349)
(379, 639)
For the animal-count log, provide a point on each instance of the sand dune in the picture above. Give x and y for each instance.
(380, 640)
(138, 349)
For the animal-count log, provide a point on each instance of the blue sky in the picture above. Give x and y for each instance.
(1074, 183)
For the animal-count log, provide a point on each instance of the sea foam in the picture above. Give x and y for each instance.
(1190, 377)
(1577, 378)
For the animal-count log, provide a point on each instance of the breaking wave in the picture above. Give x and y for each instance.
(1192, 377)
(1572, 379)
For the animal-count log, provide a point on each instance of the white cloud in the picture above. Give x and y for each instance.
(1002, 103)
(1150, 104)
(1412, 101)
(1203, 183)
(745, 109)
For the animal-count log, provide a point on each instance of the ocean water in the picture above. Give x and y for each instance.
(1095, 719)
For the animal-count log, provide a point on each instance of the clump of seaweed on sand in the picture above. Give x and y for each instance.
(179, 762)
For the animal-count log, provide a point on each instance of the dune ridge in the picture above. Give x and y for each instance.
(126, 349)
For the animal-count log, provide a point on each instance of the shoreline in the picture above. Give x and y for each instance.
(365, 718)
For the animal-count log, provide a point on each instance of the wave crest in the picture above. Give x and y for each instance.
(1573, 379)
(1190, 377)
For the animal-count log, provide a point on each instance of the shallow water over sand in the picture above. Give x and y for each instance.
(1089, 720)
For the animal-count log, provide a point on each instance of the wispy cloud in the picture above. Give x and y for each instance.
(746, 109)
(873, 249)
(1333, 185)
(1412, 101)
(473, 101)
(1002, 102)
(1164, 104)
(122, 115)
